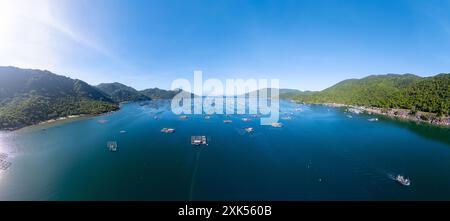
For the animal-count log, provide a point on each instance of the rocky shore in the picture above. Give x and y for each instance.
(404, 114)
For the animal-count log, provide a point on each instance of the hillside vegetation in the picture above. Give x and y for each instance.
(429, 94)
(31, 96)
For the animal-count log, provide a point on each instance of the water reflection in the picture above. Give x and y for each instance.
(433, 132)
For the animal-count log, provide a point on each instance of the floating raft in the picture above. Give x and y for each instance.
(3, 156)
(4, 165)
(168, 130)
(112, 146)
(199, 140)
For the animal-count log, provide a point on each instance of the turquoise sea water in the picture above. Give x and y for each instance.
(319, 154)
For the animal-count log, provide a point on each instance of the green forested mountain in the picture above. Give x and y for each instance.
(292, 93)
(121, 93)
(32, 96)
(430, 94)
(156, 93)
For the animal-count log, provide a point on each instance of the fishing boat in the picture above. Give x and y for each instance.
(102, 121)
(246, 119)
(403, 180)
(373, 119)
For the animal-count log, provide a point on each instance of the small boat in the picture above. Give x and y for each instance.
(246, 119)
(349, 116)
(276, 124)
(227, 121)
(373, 119)
(183, 117)
(403, 180)
(168, 130)
(156, 117)
(249, 130)
(102, 121)
(286, 118)
(207, 117)
(355, 110)
(123, 131)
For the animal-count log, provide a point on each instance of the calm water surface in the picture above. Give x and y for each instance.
(319, 154)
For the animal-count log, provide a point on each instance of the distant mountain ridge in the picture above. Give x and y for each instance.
(285, 93)
(156, 93)
(122, 93)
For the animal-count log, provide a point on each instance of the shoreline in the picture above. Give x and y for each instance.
(396, 113)
(58, 120)
(393, 113)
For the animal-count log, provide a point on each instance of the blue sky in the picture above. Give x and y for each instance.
(308, 45)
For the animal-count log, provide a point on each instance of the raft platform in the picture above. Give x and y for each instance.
(199, 140)
(3, 156)
(4, 165)
(168, 130)
(112, 146)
